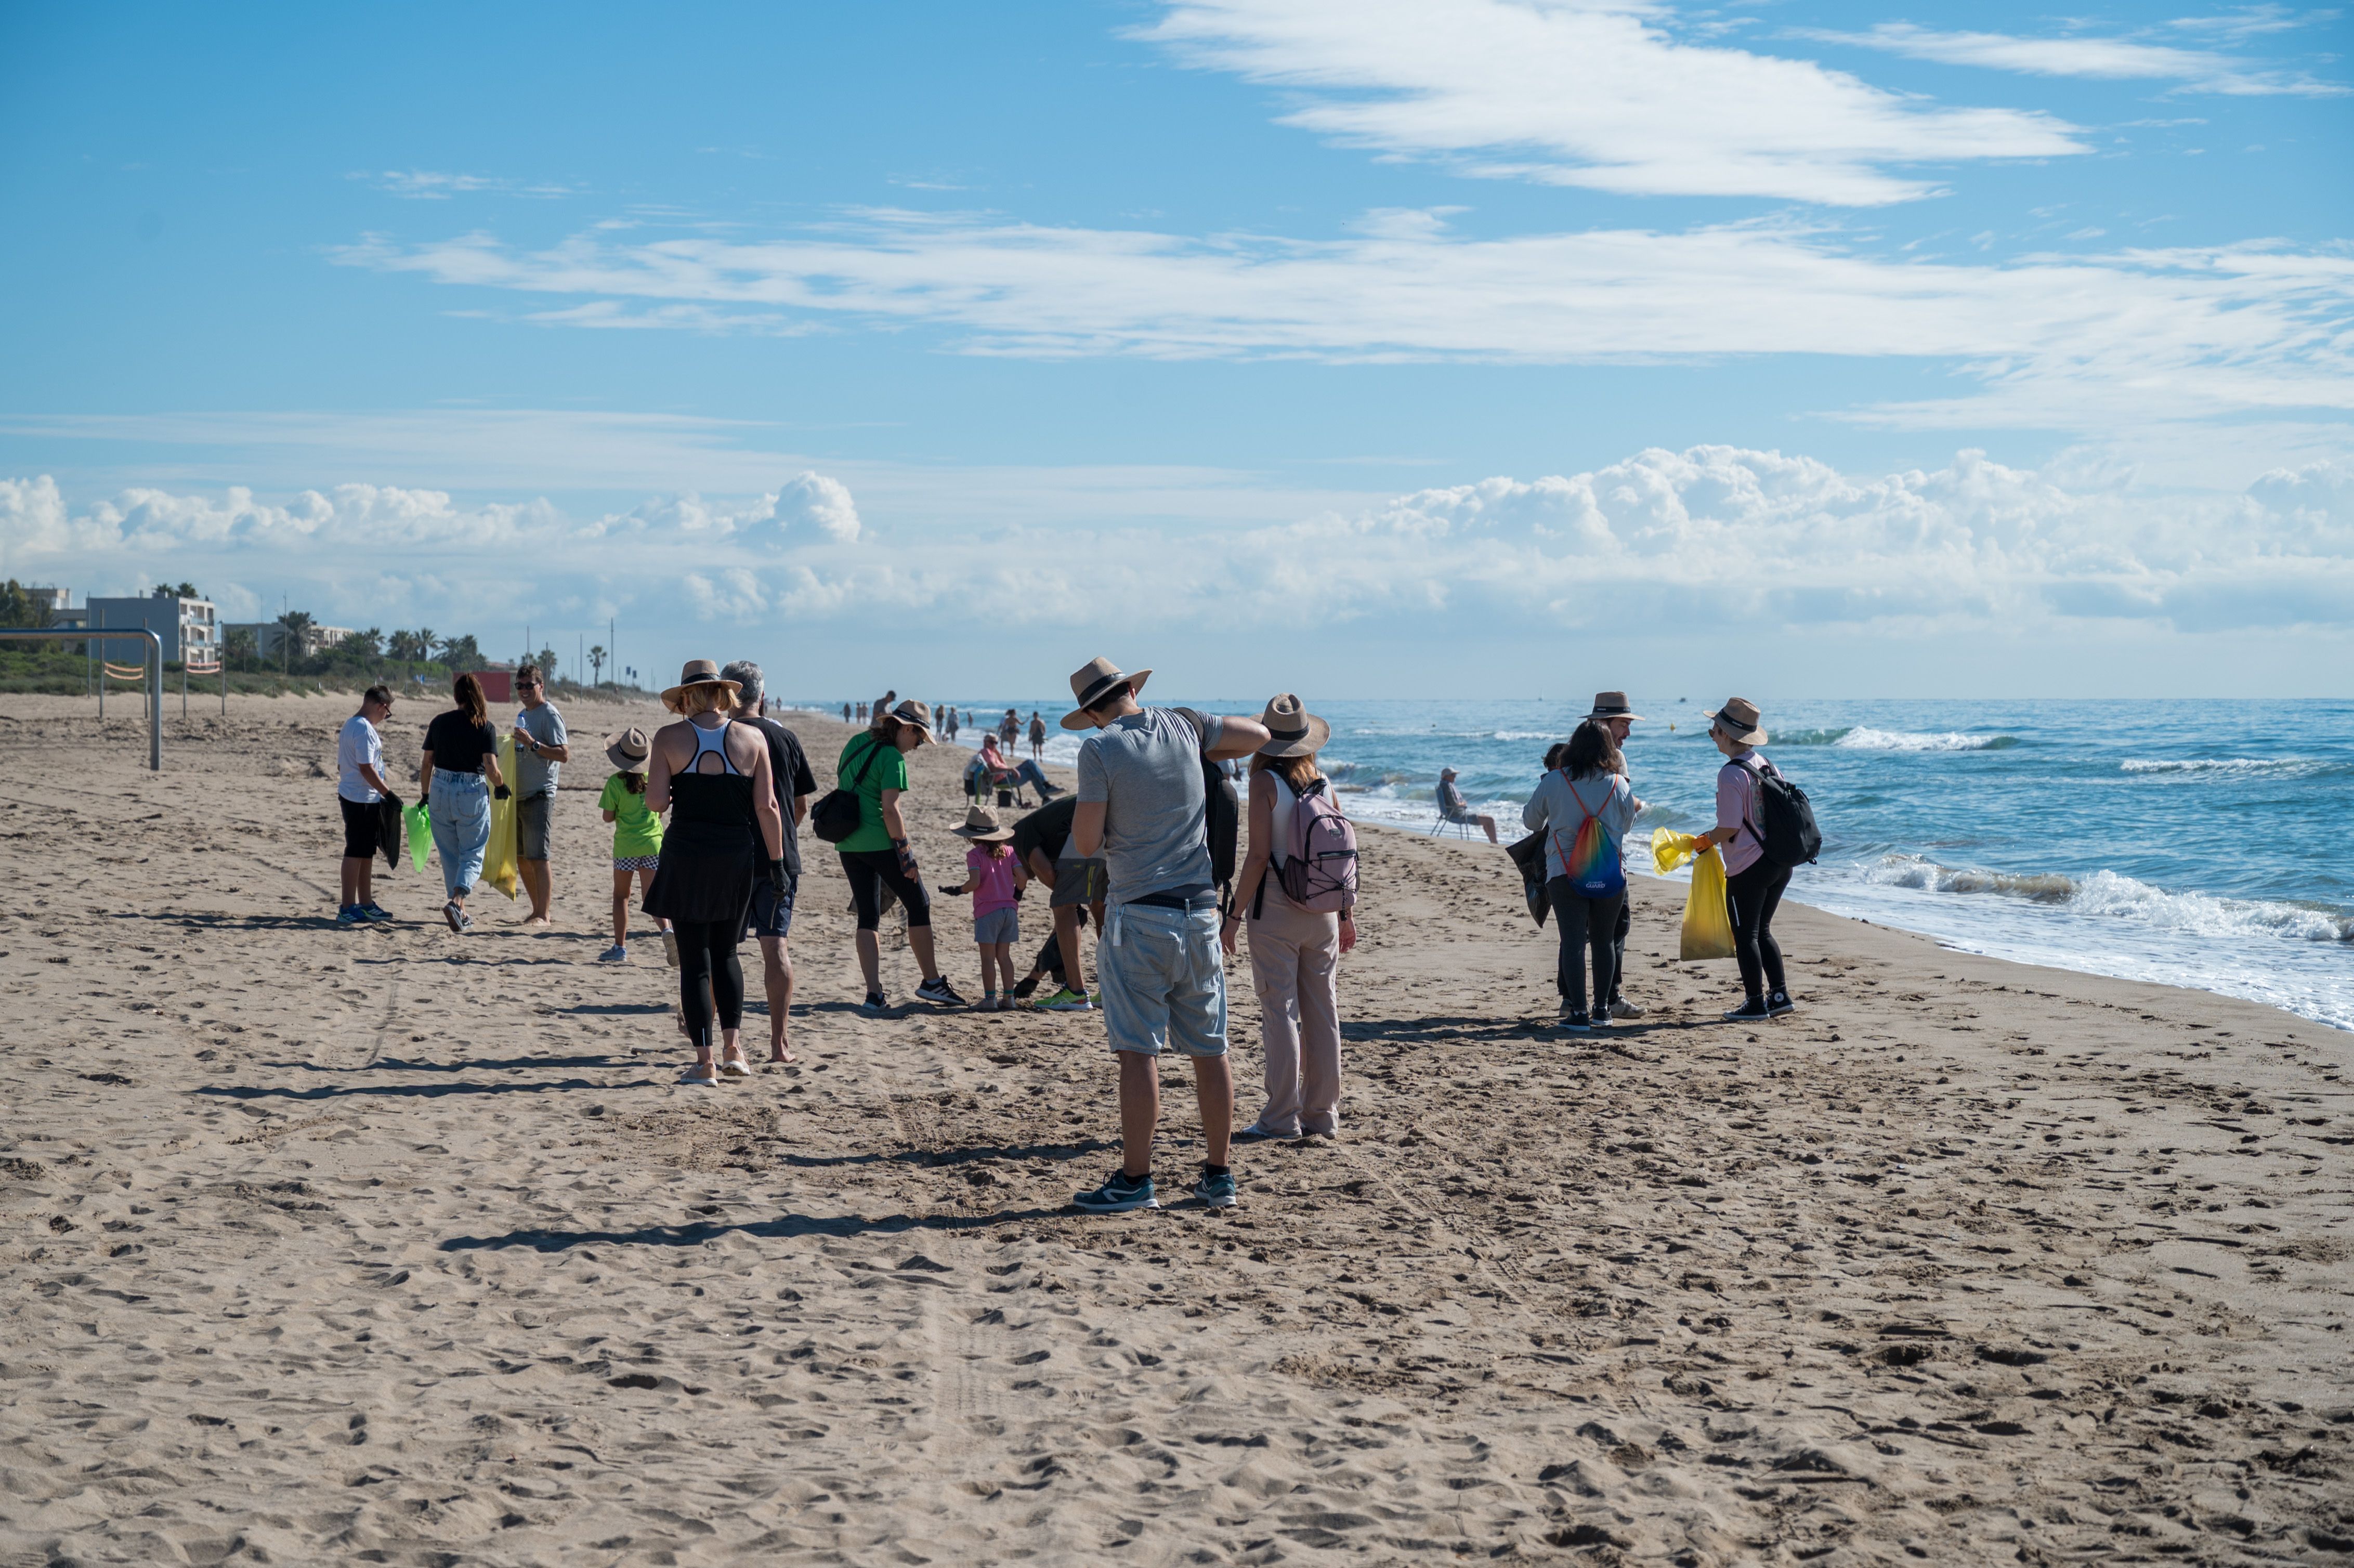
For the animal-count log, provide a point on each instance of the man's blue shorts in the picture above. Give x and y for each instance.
(771, 914)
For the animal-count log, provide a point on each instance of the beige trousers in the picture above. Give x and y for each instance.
(1295, 955)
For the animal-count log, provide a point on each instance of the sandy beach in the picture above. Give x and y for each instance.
(390, 1247)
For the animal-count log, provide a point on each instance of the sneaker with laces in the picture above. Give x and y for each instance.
(1121, 1194)
(940, 991)
(1621, 1008)
(1748, 1013)
(616, 954)
(377, 912)
(1215, 1189)
(349, 916)
(1068, 1000)
(875, 1004)
(1779, 1003)
(1575, 1020)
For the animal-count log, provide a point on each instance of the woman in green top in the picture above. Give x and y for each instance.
(637, 834)
(874, 766)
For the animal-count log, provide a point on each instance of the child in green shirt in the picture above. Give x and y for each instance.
(637, 834)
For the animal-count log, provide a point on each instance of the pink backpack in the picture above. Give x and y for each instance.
(1319, 864)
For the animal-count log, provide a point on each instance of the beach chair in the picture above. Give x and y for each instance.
(1444, 821)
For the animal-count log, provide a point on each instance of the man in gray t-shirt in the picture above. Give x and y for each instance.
(1159, 974)
(542, 748)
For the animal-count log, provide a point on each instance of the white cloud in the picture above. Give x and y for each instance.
(2073, 342)
(1740, 538)
(1595, 93)
(2114, 59)
(428, 184)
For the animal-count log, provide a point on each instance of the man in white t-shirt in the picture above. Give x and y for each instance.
(360, 792)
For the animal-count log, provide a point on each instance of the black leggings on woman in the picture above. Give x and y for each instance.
(706, 956)
(1752, 896)
(1582, 922)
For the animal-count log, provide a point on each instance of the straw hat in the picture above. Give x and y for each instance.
(910, 712)
(629, 749)
(1611, 705)
(1291, 729)
(697, 672)
(1738, 718)
(980, 826)
(1092, 684)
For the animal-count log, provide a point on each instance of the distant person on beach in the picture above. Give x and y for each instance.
(1002, 772)
(1143, 807)
(1754, 885)
(1612, 712)
(1009, 730)
(542, 748)
(874, 766)
(1583, 808)
(1042, 840)
(461, 752)
(637, 832)
(994, 876)
(1453, 808)
(845, 713)
(862, 713)
(1038, 736)
(360, 792)
(1294, 950)
(713, 775)
(771, 916)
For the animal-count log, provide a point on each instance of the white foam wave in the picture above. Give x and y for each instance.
(2226, 765)
(2104, 893)
(1863, 738)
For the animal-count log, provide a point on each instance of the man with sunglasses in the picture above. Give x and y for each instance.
(541, 750)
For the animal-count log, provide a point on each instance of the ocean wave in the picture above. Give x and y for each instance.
(2292, 767)
(2104, 893)
(1863, 738)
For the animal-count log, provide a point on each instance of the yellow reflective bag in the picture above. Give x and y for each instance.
(1708, 921)
(500, 860)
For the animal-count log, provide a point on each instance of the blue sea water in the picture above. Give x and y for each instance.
(2197, 844)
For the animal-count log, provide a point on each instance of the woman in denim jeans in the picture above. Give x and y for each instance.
(461, 751)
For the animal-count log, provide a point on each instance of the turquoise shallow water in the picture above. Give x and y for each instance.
(2197, 844)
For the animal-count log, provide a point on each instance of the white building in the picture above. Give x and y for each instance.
(269, 638)
(190, 627)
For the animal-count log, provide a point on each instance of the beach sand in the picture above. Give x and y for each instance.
(388, 1246)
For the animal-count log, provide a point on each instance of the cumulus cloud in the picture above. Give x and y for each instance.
(2067, 342)
(1758, 538)
(2114, 59)
(1592, 92)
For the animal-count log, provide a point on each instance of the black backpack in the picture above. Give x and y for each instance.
(1221, 812)
(1785, 820)
(835, 816)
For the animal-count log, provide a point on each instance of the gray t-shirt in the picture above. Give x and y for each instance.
(1147, 770)
(534, 775)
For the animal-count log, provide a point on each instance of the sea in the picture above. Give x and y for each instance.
(2200, 843)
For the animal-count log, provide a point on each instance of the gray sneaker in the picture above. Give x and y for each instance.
(1621, 1008)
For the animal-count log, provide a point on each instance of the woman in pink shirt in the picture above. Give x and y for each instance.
(1752, 884)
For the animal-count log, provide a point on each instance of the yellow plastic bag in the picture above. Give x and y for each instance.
(499, 863)
(1708, 922)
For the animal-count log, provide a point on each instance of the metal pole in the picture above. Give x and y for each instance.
(92, 639)
(101, 680)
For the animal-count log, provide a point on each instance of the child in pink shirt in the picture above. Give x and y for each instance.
(994, 877)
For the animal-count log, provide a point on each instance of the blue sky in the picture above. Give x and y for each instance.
(1359, 347)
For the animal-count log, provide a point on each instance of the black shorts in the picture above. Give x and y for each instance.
(532, 814)
(363, 829)
(872, 871)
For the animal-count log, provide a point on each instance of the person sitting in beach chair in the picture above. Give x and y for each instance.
(1454, 810)
(990, 764)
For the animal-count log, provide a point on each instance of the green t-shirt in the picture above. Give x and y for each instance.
(636, 829)
(889, 772)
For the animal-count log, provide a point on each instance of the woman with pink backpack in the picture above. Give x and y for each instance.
(1298, 890)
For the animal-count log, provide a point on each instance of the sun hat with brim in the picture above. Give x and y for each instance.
(980, 825)
(1738, 719)
(910, 712)
(697, 672)
(1611, 705)
(1291, 729)
(628, 749)
(1092, 684)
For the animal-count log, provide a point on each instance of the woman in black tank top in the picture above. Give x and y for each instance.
(714, 780)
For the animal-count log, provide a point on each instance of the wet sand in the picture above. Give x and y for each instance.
(391, 1246)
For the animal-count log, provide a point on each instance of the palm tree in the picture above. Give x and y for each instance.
(597, 660)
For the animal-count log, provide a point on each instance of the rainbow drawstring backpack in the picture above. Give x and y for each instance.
(1592, 857)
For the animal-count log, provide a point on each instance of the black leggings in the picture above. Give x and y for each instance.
(706, 956)
(1751, 895)
(1618, 944)
(1582, 922)
(872, 871)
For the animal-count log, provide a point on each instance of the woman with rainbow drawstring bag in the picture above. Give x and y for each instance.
(1583, 808)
